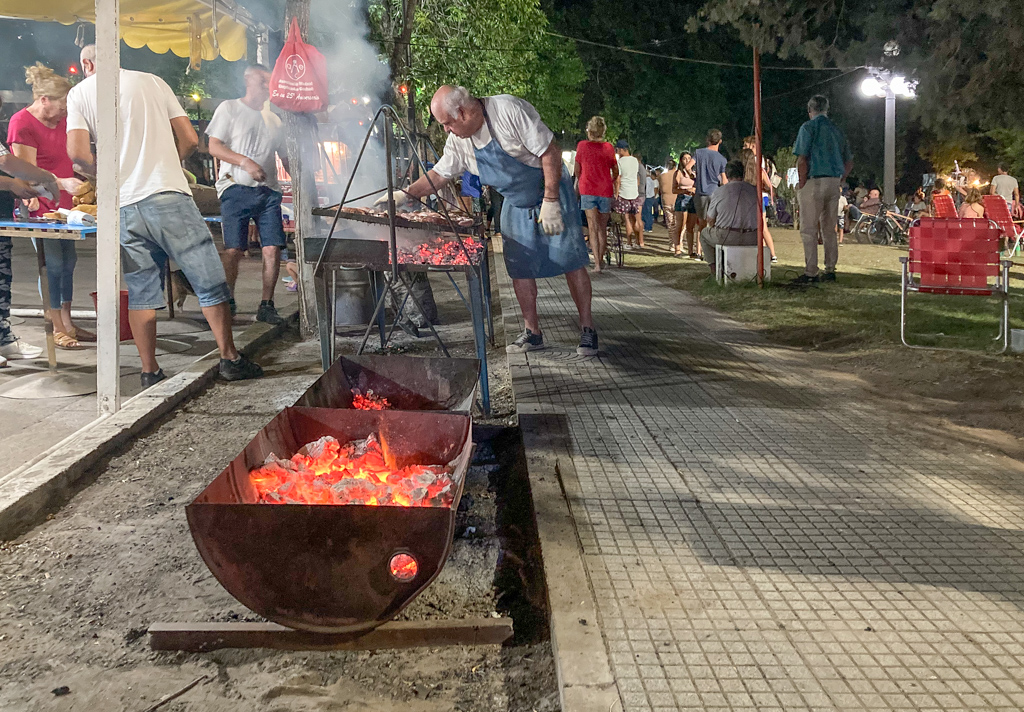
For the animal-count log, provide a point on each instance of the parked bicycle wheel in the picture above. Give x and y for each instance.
(880, 232)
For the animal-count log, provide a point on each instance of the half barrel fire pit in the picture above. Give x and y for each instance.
(395, 479)
(404, 382)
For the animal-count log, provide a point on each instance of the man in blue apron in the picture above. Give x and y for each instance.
(503, 140)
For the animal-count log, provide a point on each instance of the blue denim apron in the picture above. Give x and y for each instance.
(529, 252)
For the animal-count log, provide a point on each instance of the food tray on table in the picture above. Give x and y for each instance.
(419, 220)
(45, 229)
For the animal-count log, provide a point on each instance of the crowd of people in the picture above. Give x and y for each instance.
(51, 152)
(612, 179)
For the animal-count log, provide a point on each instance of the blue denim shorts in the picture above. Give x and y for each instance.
(162, 226)
(239, 204)
(603, 204)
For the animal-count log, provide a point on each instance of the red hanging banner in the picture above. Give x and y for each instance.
(299, 80)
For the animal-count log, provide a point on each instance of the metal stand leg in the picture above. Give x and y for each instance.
(44, 288)
(378, 292)
(326, 322)
(476, 302)
(170, 289)
(485, 271)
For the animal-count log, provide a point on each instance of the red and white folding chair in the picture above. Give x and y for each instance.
(996, 209)
(956, 257)
(944, 207)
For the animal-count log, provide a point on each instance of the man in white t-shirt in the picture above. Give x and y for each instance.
(503, 140)
(159, 219)
(1005, 186)
(246, 137)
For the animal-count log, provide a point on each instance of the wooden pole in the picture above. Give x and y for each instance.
(108, 214)
(301, 142)
(760, 167)
(203, 637)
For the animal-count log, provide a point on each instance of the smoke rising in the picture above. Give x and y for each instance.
(358, 81)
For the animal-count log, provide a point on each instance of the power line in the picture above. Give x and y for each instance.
(699, 61)
(823, 81)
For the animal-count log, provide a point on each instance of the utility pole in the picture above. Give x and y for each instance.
(302, 156)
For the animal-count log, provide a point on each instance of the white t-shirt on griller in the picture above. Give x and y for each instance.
(629, 186)
(1004, 186)
(517, 127)
(149, 158)
(254, 134)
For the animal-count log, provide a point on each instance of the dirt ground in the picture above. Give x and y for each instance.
(78, 592)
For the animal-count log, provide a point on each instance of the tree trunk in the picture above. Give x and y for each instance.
(400, 52)
(302, 160)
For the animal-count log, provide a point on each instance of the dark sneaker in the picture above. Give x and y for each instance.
(805, 279)
(267, 313)
(527, 341)
(588, 342)
(151, 379)
(234, 307)
(828, 277)
(240, 369)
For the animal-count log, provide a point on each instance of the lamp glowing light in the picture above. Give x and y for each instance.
(72, 69)
(870, 87)
(366, 100)
(196, 97)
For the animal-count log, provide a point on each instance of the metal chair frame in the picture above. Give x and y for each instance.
(998, 211)
(939, 282)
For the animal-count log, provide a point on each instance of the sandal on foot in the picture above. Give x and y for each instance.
(66, 342)
(80, 334)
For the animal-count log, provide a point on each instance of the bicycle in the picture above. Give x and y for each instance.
(887, 227)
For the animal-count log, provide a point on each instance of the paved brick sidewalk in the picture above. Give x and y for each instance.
(756, 538)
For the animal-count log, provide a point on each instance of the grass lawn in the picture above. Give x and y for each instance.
(855, 323)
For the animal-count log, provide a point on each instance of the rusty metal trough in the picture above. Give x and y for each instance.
(326, 568)
(408, 382)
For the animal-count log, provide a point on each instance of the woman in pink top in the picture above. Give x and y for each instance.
(596, 170)
(973, 206)
(38, 134)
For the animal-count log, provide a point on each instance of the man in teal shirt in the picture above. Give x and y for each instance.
(823, 162)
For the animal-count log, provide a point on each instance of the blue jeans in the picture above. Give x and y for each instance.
(603, 204)
(168, 225)
(6, 336)
(647, 215)
(239, 204)
(61, 258)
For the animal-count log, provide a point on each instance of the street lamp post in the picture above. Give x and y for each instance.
(884, 84)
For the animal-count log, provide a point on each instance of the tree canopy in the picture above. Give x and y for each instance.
(488, 46)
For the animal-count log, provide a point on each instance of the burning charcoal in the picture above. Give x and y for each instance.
(328, 472)
(369, 401)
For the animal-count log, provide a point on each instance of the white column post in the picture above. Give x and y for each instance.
(108, 250)
(889, 167)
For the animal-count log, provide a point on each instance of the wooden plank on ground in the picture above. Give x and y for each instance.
(203, 637)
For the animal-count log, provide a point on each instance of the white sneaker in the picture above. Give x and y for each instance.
(3, 362)
(19, 349)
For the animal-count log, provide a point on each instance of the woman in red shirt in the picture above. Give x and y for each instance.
(596, 170)
(38, 134)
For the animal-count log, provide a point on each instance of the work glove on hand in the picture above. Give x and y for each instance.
(551, 217)
(401, 198)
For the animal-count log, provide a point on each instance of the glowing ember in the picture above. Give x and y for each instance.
(403, 567)
(443, 252)
(368, 401)
(327, 472)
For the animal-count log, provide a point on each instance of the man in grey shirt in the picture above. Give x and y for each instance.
(732, 214)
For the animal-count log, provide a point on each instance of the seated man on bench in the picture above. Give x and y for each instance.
(732, 214)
